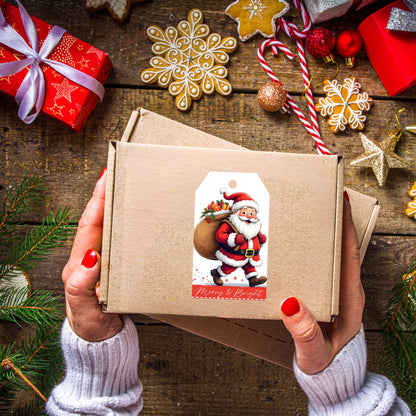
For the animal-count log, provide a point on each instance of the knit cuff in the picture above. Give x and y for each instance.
(344, 387)
(99, 375)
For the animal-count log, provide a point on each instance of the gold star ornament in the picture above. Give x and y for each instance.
(256, 16)
(380, 156)
(412, 129)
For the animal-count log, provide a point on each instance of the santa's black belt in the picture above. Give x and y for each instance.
(250, 252)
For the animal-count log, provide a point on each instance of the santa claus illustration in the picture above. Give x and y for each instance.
(240, 240)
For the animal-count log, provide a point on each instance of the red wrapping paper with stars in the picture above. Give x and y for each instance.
(65, 101)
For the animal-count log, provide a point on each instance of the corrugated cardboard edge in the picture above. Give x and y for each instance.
(356, 200)
(338, 238)
(107, 225)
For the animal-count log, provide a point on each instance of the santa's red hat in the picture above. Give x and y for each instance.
(241, 200)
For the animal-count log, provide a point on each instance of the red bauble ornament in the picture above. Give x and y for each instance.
(348, 44)
(320, 42)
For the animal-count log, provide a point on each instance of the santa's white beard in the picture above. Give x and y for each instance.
(248, 230)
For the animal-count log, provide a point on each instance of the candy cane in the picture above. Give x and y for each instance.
(292, 31)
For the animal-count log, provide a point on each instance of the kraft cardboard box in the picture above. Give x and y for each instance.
(266, 339)
(161, 257)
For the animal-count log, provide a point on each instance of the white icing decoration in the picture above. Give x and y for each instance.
(189, 59)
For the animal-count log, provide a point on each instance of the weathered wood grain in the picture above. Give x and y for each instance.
(184, 374)
(72, 162)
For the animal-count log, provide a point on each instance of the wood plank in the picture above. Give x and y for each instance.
(190, 375)
(130, 49)
(238, 119)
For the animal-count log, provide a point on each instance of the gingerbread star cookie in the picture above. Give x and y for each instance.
(256, 16)
(119, 9)
(189, 60)
(344, 104)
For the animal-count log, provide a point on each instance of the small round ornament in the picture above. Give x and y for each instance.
(272, 97)
(320, 43)
(348, 45)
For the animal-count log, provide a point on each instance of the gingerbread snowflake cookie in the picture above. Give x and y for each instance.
(344, 104)
(256, 16)
(411, 206)
(189, 60)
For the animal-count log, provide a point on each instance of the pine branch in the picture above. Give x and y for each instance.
(39, 308)
(35, 365)
(398, 352)
(38, 243)
(21, 199)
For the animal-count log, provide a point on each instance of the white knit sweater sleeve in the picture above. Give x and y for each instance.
(346, 388)
(101, 377)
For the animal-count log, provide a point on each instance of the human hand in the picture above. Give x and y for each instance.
(317, 344)
(82, 272)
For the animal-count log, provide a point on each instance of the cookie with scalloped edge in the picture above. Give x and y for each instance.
(344, 104)
(189, 60)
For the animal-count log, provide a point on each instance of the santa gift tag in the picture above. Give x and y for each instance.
(230, 239)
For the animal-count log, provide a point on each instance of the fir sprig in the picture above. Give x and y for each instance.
(38, 243)
(21, 199)
(398, 351)
(37, 362)
(39, 308)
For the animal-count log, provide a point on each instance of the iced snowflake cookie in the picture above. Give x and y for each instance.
(189, 60)
(344, 104)
(256, 16)
(411, 206)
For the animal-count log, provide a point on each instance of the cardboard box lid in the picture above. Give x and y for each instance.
(266, 339)
(153, 217)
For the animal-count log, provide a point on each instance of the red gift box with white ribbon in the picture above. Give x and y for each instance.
(47, 70)
(392, 52)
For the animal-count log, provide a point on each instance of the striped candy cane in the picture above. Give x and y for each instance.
(298, 35)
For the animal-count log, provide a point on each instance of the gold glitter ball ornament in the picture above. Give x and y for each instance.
(380, 156)
(272, 96)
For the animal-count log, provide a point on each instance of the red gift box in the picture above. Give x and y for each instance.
(65, 100)
(391, 52)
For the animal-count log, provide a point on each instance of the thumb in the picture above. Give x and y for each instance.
(80, 288)
(313, 352)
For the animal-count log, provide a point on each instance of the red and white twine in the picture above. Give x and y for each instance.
(293, 32)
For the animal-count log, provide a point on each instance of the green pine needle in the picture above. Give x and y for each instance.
(40, 307)
(398, 352)
(38, 243)
(39, 359)
(22, 199)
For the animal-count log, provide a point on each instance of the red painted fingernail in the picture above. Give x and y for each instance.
(90, 259)
(102, 172)
(290, 306)
(346, 196)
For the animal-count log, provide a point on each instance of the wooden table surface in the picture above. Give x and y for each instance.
(184, 374)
